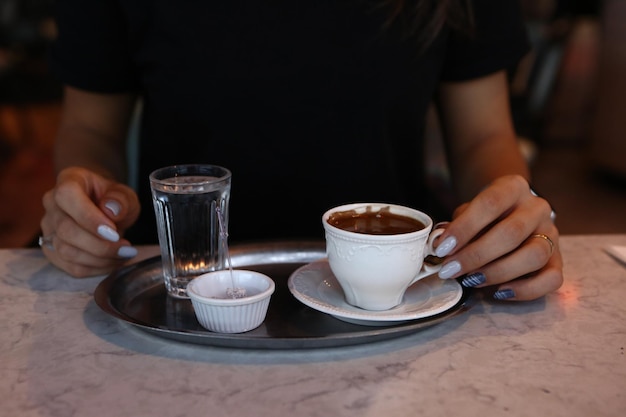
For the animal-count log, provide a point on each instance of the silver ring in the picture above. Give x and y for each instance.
(46, 241)
(547, 239)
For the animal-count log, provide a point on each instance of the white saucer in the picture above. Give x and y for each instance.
(315, 286)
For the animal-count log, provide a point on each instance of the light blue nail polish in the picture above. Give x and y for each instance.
(446, 246)
(126, 252)
(108, 233)
(504, 294)
(449, 270)
(474, 279)
(113, 206)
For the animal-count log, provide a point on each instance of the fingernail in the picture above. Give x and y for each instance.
(449, 270)
(446, 246)
(108, 233)
(504, 294)
(113, 206)
(126, 252)
(474, 279)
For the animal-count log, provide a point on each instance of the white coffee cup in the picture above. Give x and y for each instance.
(374, 270)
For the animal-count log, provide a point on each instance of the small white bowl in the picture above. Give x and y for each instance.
(218, 312)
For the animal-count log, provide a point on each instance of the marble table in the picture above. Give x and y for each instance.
(563, 355)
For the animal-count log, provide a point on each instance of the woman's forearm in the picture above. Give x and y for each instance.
(93, 132)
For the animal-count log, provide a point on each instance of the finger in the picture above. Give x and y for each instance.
(70, 234)
(531, 256)
(459, 210)
(76, 250)
(53, 215)
(501, 239)
(83, 254)
(120, 203)
(76, 261)
(472, 219)
(548, 279)
(47, 221)
(91, 267)
(80, 263)
(75, 201)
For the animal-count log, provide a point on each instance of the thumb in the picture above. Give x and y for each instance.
(120, 203)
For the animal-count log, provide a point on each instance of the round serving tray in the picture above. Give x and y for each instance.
(136, 294)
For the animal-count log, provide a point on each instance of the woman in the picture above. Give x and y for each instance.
(329, 95)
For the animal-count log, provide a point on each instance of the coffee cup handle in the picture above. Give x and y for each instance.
(427, 267)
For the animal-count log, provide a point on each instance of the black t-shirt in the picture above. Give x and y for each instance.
(310, 104)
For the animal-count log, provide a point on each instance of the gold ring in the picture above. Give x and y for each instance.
(46, 241)
(547, 239)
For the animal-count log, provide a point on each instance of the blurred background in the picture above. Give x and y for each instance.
(568, 100)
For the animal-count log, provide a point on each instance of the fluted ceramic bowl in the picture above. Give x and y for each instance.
(219, 311)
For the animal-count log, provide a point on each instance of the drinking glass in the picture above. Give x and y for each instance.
(186, 198)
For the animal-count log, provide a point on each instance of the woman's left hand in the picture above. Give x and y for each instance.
(505, 237)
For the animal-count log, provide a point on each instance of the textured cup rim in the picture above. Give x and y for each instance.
(368, 238)
(228, 302)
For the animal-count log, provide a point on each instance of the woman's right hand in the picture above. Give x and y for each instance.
(86, 216)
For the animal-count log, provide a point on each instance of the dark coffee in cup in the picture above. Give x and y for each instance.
(379, 222)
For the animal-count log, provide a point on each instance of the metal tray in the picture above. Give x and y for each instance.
(136, 294)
